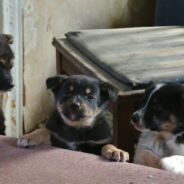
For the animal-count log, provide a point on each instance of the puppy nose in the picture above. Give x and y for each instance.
(7, 83)
(11, 85)
(75, 105)
(135, 118)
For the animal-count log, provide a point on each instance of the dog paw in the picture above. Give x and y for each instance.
(27, 141)
(112, 153)
(174, 164)
(39, 136)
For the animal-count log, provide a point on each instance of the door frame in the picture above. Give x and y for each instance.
(11, 18)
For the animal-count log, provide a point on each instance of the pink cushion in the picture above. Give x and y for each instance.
(45, 164)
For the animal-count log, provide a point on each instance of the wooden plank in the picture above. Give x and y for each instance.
(135, 55)
(58, 62)
(126, 139)
(78, 59)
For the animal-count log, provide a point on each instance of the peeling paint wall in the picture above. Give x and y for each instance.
(11, 23)
(45, 19)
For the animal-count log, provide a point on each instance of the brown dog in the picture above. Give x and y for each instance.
(6, 64)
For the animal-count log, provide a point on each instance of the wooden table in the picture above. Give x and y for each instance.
(152, 53)
(70, 61)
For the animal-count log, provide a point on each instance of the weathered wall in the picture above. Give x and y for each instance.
(45, 19)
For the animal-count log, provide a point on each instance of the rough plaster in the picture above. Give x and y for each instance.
(45, 19)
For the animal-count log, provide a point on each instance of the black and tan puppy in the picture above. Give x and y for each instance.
(6, 63)
(161, 121)
(78, 124)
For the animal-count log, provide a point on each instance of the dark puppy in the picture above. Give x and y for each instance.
(6, 63)
(78, 123)
(161, 120)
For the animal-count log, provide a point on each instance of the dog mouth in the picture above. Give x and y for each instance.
(10, 89)
(74, 116)
(138, 123)
(6, 90)
(5, 87)
(139, 126)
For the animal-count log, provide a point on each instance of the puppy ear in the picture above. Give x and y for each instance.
(9, 38)
(54, 83)
(110, 91)
(150, 84)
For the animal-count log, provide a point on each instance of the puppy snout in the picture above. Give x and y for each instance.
(135, 118)
(7, 84)
(75, 105)
(11, 85)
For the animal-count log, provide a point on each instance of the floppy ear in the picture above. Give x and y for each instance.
(54, 83)
(9, 38)
(110, 91)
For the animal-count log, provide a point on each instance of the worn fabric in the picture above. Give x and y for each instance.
(45, 164)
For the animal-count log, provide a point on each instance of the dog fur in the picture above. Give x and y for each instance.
(6, 64)
(161, 121)
(78, 123)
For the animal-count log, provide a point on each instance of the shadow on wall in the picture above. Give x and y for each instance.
(139, 13)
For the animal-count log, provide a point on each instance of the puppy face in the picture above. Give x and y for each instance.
(162, 109)
(79, 98)
(6, 63)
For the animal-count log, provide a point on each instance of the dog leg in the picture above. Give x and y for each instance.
(40, 136)
(173, 164)
(110, 152)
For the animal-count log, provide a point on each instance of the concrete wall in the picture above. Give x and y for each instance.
(45, 19)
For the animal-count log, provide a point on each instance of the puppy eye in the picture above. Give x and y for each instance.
(67, 93)
(90, 97)
(158, 107)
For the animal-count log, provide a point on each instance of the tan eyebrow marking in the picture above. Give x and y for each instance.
(71, 88)
(103, 88)
(88, 90)
(155, 100)
(173, 119)
(61, 81)
(2, 61)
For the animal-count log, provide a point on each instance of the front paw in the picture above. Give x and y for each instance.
(112, 153)
(28, 141)
(174, 164)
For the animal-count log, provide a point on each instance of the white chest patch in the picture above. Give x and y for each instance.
(152, 147)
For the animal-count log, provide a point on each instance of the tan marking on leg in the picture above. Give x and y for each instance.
(110, 152)
(88, 90)
(40, 136)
